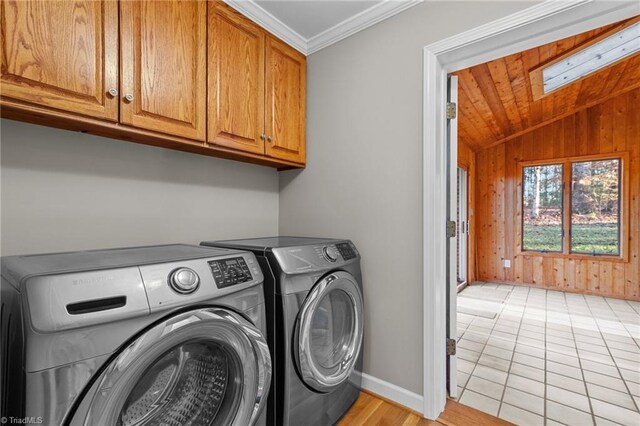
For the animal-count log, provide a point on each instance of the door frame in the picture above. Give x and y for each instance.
(534, 26)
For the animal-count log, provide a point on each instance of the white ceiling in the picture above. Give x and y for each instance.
(310, 17)
(310, 25)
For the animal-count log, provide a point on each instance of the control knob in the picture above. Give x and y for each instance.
(330, 253)
(184, 280)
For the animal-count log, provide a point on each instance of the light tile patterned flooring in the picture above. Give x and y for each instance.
(550, 357)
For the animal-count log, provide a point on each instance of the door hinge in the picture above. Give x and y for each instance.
(451, 110)
(451, 347)
(451, 228)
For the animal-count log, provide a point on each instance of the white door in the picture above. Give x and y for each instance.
(462, 233)
(452, 247)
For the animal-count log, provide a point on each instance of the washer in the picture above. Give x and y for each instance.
(168, 335)
(313, 292)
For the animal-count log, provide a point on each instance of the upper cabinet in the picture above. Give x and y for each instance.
(236, 80)
(163, 66)
(61, 55)
(193, 75)
(286, 102)
(257, 89)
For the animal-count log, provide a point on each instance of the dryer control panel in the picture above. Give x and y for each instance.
(228, 272)
(301, 259)
(346, 251)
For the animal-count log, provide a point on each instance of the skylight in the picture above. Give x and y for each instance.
(592, 58)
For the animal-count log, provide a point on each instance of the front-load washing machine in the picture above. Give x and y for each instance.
(313, 293)
(170, 335)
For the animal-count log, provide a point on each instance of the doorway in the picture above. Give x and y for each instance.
(533, 27)
(546, 334)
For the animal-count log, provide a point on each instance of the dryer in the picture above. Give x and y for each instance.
(169, 335)
(313, 293)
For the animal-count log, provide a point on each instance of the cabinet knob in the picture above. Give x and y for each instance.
(270, 138)
(128, 98)
(113, 92)
(263, 136)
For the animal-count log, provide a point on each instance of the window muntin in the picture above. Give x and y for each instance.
(542, 205)
(595, 207)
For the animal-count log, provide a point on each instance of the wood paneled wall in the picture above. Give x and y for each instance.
(612, 126)
(467, 160)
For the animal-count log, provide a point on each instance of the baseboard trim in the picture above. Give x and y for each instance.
(393, 393)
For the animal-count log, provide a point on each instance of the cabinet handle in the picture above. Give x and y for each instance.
(128, 97)
(263, 136)
(113, 92)
(270, 138)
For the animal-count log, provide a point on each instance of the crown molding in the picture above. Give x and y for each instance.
(508, 23)
(587, 14)
(349, 26)
(269, 22)
(359, 22)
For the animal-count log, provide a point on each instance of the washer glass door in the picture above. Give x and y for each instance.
(201, 367)
(329, 331)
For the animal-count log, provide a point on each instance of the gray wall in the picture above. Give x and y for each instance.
(62, 190)
(364, 170)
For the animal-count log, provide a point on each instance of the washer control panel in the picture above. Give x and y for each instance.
(231, 271)
(184, 280)
(172, 284)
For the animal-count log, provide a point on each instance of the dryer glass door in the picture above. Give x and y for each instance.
(329, 331)
(201, 367)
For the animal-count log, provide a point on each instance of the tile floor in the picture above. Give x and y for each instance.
(548, 357)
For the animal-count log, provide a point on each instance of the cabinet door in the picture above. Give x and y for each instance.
(61, 54)
(286, 98)
(236, 80)
(163, 60)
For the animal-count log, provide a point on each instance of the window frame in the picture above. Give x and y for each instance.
(562, 207)
(567, 176)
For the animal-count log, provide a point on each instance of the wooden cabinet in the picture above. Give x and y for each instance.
(236, 80)
(192, 75)
(61, 55)
(163, 66)
(257, 88)
(286, 102)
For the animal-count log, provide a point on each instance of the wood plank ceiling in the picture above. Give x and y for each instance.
(495, 98)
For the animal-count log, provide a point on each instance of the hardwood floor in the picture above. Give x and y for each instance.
(370, 410)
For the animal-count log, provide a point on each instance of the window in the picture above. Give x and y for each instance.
(542, 208)
(587, 58)
(573, 207)
(595, 207)
(605, 52)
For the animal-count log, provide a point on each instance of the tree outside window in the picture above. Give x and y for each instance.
(595, 207)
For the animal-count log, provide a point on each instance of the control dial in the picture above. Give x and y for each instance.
(184, 280)
(330, 253)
